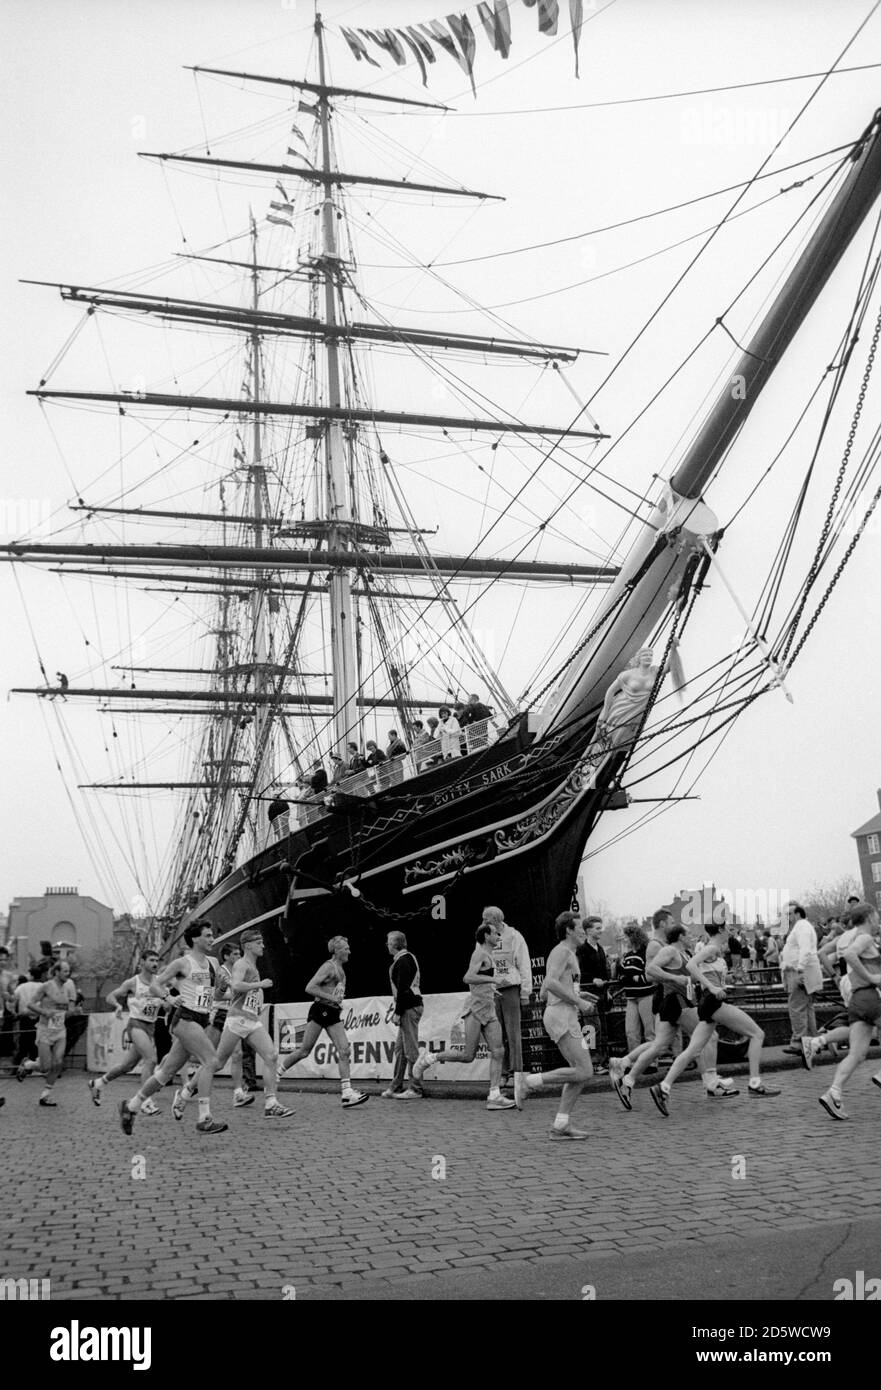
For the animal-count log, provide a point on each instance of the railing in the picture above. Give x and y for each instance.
(470, 739)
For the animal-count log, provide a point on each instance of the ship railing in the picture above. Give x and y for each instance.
(393, 771)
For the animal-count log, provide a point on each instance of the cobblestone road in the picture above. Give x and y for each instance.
(335, 1200)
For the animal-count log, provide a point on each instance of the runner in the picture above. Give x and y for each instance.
(136, 998)
(837, 1030)
(709, 969)
(676, 1010)
(227, 957)
(328, 989)
(52, 1003)
(563, 1004)
(194, 973)
(243, 1022)
(863, 961)
(480, 1019)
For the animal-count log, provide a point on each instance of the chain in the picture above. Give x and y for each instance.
(836, 576)
(827, 524)
(417, 913)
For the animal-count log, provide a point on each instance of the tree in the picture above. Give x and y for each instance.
(104, 966)
(824, 900)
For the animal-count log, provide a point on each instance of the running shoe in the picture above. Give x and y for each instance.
(22, 1071)
(421, 1065)
(210, 1126)
(809, 1049)
(351, 1098)
(2, 1101)
(277, 1111)
(390, 1094)
(601, 1071)
(660, 1099)
(621, 1091)
(178, 1104)
(500, 1103)
(833, 1107)
(617, 1068)
(410, 1094)
(47, 1100)
(763, 1089)
(96, 1092)
(242, 1098)
(150, 1107)
(570, 1132)
(126, 1117)
(876, 1079)
(720, 1091)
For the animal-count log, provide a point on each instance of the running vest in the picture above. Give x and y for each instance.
(196, 988)
(484, 992)
(248, 1005)
(141, 1004)
(553, 1001)
(682, 988)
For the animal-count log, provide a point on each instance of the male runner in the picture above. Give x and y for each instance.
(53, 1002)
(562, 1023)
(667, 967)
(229, 953)
(328, 989)
(837, 1030)
(480, 1019)
(243, 1022)
(709, 969)
(863, 960)
(136, 998)
(194, 974)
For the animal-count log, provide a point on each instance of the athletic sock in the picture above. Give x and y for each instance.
(102, 1080)
(270, 1101)
(46, 1091)
(711, 1079)
(627, 1080)
(561, 1120)
(755, 1082)
(494, 1093)
(136, 1102)
(204, 1110)
(835, 1092)
(665, 1087)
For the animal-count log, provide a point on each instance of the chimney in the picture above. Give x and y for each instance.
(879, 798)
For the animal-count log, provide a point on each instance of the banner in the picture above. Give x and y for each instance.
(371, 1033)
(105, 1050)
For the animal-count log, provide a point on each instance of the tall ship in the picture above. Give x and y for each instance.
(334, 616)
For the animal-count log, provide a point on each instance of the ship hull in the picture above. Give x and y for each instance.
(507, 827)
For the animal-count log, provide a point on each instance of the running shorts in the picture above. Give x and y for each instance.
(181, 1014)
(325, 1015)
(657, 998)
(708, 1006)
(147, 1024)
(49, 1036)
(561, 1021)
(671, 1009)
(864, 1006)
(218, 1019)
(241, 1026)
(484, 1010)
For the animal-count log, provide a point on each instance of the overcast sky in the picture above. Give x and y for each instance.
(88, 84)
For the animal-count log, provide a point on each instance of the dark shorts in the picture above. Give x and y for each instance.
(218, 1019)
(657, 998)
(671, 1009)
(325, 1015)
(865, 1005)
(181, 1014)
(708, 1006)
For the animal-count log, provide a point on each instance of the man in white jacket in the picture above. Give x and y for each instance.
(512, 976)
(799, 952)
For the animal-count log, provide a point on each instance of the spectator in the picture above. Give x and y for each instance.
(435, 740)
(759, 947)
(8, 981)
(735, 951)
(357, 761)
(512, 976)
(337, 769)
(449, 733)
(772, 952)
(474, 712)
(421, 738)
(375, 755)
(279, 817)
(595, 975)
(318, 779)
(395, 750)
(407, 997)
(639, 1021)
(799, 951)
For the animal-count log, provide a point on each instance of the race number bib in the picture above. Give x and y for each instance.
(339, 994)
(203, 1000)
(252, 1002)
(56, 1020)
(150, 1010)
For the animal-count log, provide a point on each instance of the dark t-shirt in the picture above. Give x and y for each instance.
(632, 973)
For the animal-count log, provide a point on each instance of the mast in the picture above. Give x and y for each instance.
(259, 605)
(342, 625)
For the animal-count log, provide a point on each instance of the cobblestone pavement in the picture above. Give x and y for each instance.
(337, 1199)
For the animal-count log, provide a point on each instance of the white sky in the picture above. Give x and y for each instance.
(88, 84)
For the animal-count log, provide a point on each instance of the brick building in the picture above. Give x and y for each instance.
(60, 917)
(868, 838)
